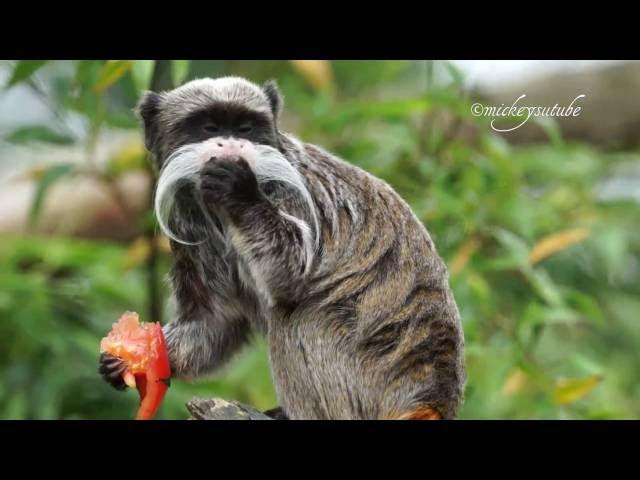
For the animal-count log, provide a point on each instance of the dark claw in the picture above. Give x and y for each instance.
(111, 369)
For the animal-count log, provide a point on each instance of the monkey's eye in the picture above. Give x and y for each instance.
(211, 127)
(245, 128)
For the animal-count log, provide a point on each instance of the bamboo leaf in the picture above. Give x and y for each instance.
(137, 253)
(464, 254)
(48, 177)
(543, 285)
(571, 390)
(142, 72)
(111, 72)
(515, 382)
(516, 248)
(130, 156)
(164, 245)
(24, 69)
(38, 133)
(455, 73)
(179, 71)
(317, 73)
(556, 242)
(387, 109)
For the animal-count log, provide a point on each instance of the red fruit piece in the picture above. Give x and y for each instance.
(141, 346)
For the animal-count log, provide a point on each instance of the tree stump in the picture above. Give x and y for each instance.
(220, 409)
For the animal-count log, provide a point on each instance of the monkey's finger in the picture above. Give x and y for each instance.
(110, 360)
(112, 369)
(115, 380)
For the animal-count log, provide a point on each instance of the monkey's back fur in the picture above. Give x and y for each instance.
(376, 332)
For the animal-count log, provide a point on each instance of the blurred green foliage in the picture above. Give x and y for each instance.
(549, 334)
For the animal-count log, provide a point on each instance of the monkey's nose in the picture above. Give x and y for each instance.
(217, 148)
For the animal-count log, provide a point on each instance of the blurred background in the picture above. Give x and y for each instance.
(539, 226)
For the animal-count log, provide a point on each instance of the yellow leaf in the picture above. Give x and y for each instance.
(317, 73)
(137, 253)
(515, 382)
(463, 255)
(163, 245)
(571, 390)
(130, 156)
(34, 173)
(112, 71)
(556, 242)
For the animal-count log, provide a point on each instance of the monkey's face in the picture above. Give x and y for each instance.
(228, 107)
(207, 121)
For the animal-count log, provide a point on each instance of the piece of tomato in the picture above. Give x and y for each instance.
(143, 349)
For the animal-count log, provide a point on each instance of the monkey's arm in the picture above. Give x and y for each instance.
(211, 322)
(199, 346)
(276, 248)
(209, 327)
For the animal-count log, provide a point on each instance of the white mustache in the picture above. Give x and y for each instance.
(184, 165)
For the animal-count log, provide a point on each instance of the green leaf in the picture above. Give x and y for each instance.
(111, 72)
(551, 129)
(387, 109)
(39, 133)
(587, 306)
(456, 74)
(179, 71)
(517, 250)
(586, 365)
(142, 73)
(24, 69)
(50, 176)
(87, 72)
(543, 285)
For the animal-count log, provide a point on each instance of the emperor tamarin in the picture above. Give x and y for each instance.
(276, 236)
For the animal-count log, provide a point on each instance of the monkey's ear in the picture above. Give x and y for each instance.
(147, 110)
(272, 92)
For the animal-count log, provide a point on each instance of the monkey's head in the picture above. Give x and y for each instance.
(209, 119)
(227, 107)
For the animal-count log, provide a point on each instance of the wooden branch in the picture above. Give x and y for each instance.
(219, 409)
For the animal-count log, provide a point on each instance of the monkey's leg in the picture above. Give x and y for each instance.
(426, 374)
(276, 247)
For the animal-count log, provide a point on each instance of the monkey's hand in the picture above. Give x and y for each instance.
(111, 369)
(229, 183)
(277, 247)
